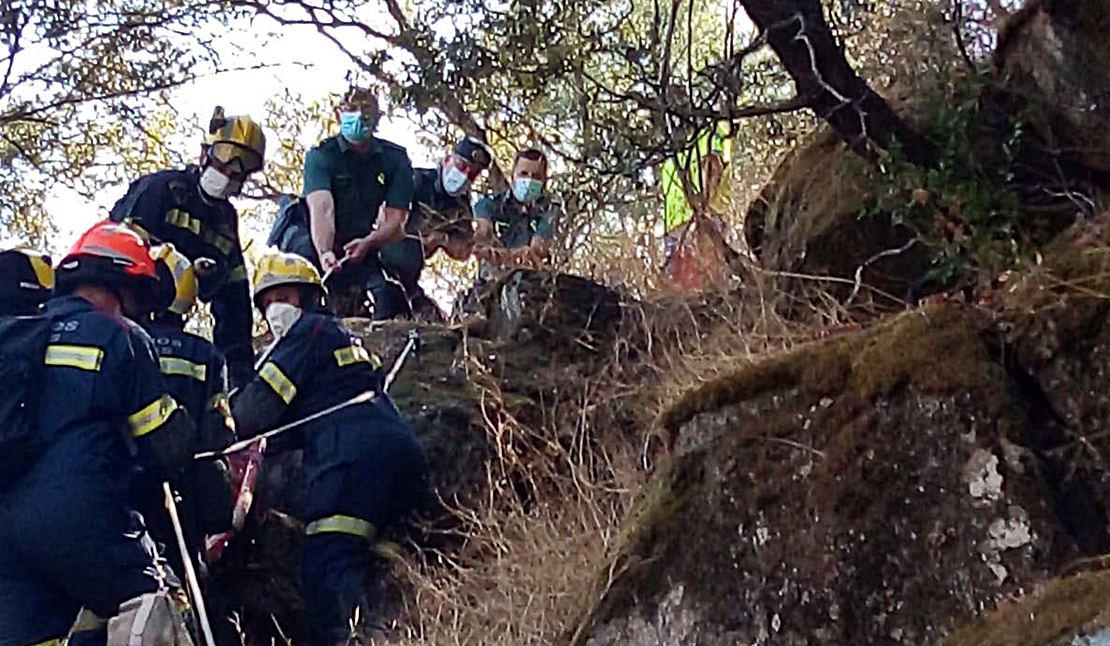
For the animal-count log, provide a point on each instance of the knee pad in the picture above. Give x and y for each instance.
(151, 619)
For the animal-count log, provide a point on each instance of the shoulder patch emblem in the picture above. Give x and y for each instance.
(381, 178)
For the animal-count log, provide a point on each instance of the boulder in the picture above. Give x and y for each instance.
(570, 315)
(1059, 52)
(881, 487)
(809, 219)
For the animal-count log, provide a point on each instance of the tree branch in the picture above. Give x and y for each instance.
(801, 38)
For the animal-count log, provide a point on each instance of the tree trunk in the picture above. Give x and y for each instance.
(799, 35)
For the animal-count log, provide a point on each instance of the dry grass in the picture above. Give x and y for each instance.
(528, 561)
(521, 576)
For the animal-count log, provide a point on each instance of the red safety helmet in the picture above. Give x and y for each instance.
(114, 256)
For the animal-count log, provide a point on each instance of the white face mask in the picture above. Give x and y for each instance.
(454, 181)
(282, 317)
(214, 183)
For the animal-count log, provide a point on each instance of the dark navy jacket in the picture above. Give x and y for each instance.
(434, 210)
(196, 375)
(92, 416)
(169, 207)
(68, 537)
(319, 363)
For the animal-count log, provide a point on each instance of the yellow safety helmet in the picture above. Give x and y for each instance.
(26, 280)
(180, 269)
(281, 268)
(31, 268)
(235, 141)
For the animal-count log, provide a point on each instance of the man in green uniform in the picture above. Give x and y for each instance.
(441, 218)
(516, 226)
(358, 188)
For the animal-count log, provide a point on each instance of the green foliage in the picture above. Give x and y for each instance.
(966, 206)
(610, 87)
(76, 80)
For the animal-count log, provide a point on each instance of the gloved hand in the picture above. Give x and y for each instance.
(210, 277)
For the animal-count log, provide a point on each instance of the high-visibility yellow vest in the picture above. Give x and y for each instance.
(676, 208)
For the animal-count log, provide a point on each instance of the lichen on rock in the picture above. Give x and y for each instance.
(840, 520)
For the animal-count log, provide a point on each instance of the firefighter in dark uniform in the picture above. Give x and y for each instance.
(68, 537)
(440, 218)
(26, 279)
(196, 375)
(358, 189)
(364, 466)
(190, 208)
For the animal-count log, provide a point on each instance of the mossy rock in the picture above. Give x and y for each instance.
(569, 315)
(808, 220)
(874, 488)
(1071, 611)
(1058, 52)
(1055, 321)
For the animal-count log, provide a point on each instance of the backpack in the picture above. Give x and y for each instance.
(292, 212)
(23, 341)
(290, 232)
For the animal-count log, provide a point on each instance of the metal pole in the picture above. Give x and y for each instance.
(395, 369)
(190, 574)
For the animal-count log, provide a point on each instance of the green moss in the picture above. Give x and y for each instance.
(772, 374)
(941, 349)
(654, 533)
(1053, 612)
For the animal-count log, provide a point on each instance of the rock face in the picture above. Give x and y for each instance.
(539, 327)
(808, 220)
(1056, 321)
(877, 488)
(1058, 50)
(570, 315)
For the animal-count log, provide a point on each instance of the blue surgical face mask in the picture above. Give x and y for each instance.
(454, 181)
(526, 189)
(353, 128)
